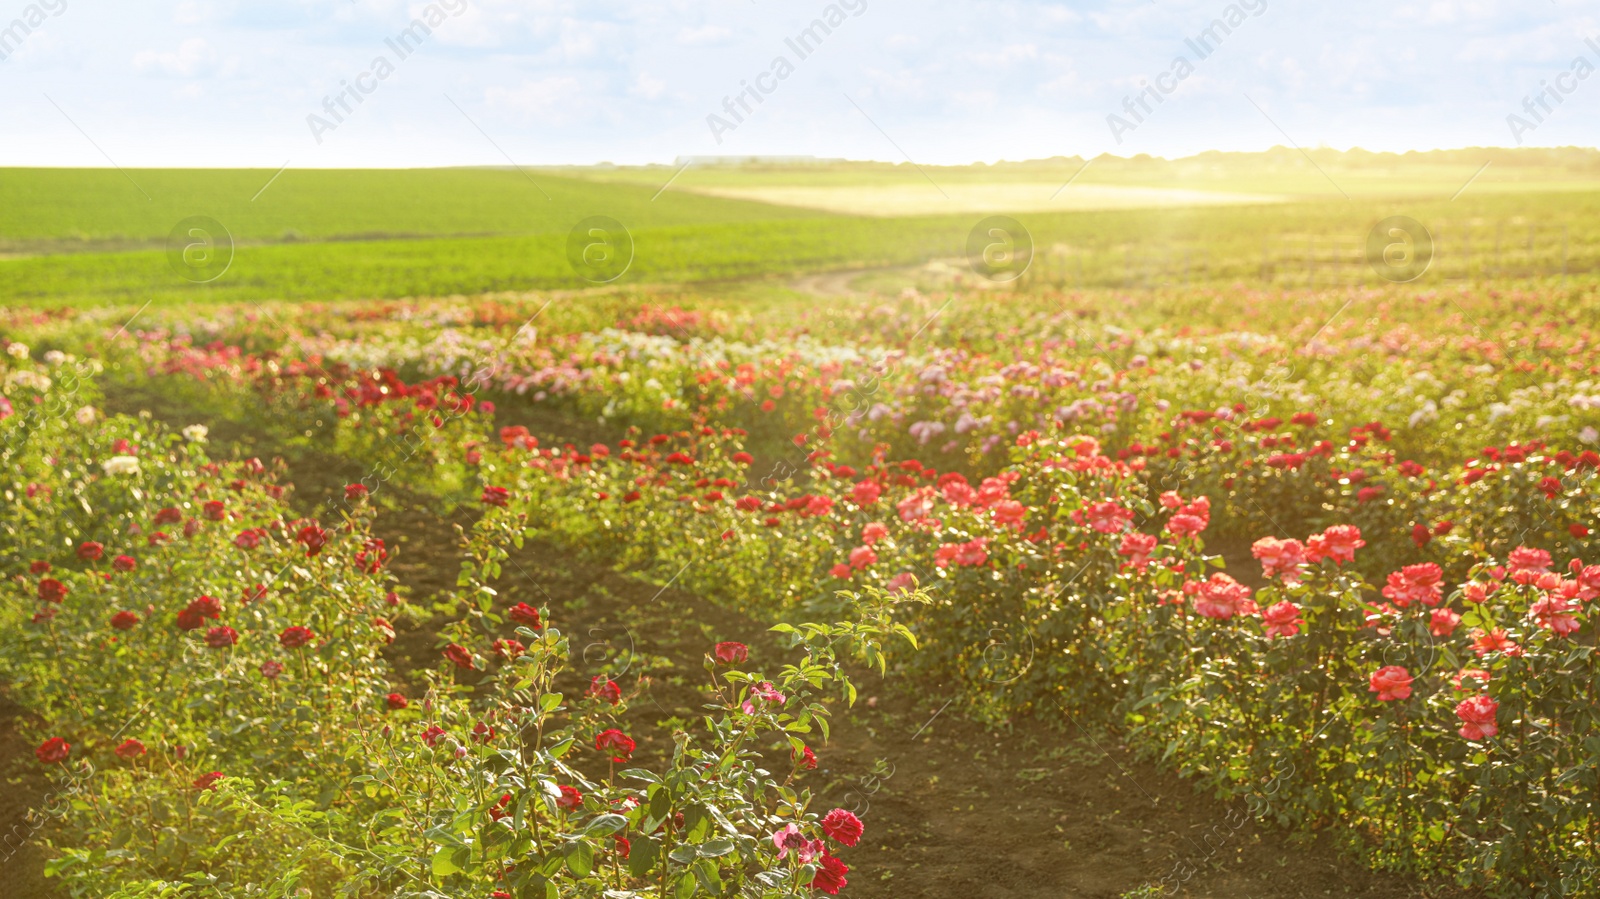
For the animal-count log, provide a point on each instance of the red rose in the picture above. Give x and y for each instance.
(89, 551)
(214, 510)
(459, 654)
(314, 538)
(604, 689)
(39, 567)
(805, 758)
(623, 847)
(197, 612)
(372, 555)
(615, 742)
(570, 798)
(124, 563)
(517, 436)
(1390, 682)
(495, 496)
(221, 637)
(396, 702)
(169, 516)
(433, 735)
(207, 781)
(53, 751)
(1477, 716)
(124, 621)
(843, 827)
(732, 653)
(525, 615)
(52, 590)
(509, 649)
(248, 539)
(830, 875)
(482, 733)
(295, 637)
(270, 670)
(498, 812)
(1420, 535)
(130, 749)
(353, 492)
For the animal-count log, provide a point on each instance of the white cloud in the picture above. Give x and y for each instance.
(1065, 84)
(193, 57)
(550, 98)
(647, 86)
(705, 34)
(189, 12)
(1007, 55)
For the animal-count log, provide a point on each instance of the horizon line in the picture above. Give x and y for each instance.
(740, 159)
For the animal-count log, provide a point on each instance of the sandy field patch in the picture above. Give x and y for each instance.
(925, 199)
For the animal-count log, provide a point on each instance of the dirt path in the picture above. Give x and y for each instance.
(840, 283)
(23, 786)
(952, 810)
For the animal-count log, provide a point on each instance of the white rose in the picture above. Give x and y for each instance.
(86, 415)
(17, 350)
(121, 465)
(28, 378)
(196, 433)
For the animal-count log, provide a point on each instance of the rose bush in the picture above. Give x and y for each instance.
(246, 737)
(1413, 661)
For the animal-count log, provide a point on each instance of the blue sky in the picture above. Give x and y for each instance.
(232, 83)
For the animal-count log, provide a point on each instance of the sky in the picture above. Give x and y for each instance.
(141, 83)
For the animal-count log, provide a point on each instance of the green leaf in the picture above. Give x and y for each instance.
(643, 854)
(660, 802)
(715, 848)
(444, 862)
(580, 858)
(552, 864)
(684, 854)
(605, 824)
(710, 876)
(534, 888)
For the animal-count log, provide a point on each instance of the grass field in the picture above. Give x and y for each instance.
(93, 237)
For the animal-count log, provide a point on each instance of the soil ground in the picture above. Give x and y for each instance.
(952, 809)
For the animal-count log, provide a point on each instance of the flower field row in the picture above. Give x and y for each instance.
(1397, 640)
(207, 669)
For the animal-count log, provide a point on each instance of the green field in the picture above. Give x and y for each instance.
(97, 236)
